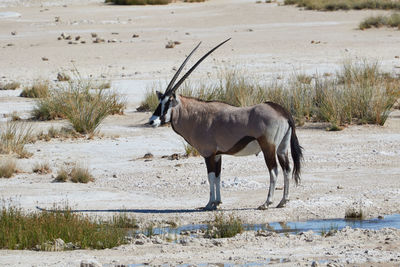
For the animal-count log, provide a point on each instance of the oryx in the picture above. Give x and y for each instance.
(216, 128)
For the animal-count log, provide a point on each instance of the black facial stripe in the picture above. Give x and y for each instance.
(158, 111)
(165, 110)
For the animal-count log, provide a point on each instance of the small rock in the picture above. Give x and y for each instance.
(339, 187)
(77, 38)
(174, 156)
(148, 156)
(59, 38)
(113, 41)
(72, 42)
(396, 57)
(140, 242)
(45, 59)
(115, 33)
(13, 33)
(94, 35)
(314, 264)
(98, 40)
(90, 263)
(157, 240)
(10, 44)
(63, 77)
(83, 42)
(135, 35)
(170, 44)
(68, 37)
(56, 19)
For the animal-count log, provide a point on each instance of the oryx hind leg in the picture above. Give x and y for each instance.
(269, 152)
(213, 164)
(283, 152)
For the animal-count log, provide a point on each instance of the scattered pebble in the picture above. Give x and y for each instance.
(94, 35)
(45, 59)
(13, 33)
(135, 35)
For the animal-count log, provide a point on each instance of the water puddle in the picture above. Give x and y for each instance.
(317, 226)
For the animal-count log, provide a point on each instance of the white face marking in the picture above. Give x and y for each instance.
(156, 121)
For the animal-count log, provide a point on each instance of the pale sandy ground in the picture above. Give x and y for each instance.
(357, 167)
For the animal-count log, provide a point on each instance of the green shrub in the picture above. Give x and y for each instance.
(39, 230)
(223, 227)
(380, 21)
(332, 5)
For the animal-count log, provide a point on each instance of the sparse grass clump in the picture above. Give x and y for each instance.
(39, 230)
(359, 93)
(77, 174)
(139, 2)
(13, 138)
(9, 86)
(190, 151)
(40, 89)
(62, 133)
(379, 21)
(42, 168)
(7, 168)
(223, 227)
(82, 103)
(333, 5)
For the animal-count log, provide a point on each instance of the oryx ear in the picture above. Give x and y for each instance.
(159, 95)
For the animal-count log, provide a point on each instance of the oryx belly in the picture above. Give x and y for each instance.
(250, 149)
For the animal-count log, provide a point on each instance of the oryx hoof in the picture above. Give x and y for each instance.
(263, 207)
(283, 203)
(209, 207)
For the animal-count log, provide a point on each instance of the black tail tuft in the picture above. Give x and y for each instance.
(297, 152)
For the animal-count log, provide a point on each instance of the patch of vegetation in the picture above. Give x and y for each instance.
(354, 214)
(392, 20)
(139, 2)
(76, 174)
(42, 168)
(333, 5)
(63, 133)
(358, 93)
(7, 168)
(190, 151)
(10, 86)
(223, 227)
(329, 232)
(82, 103)
(39, 230)
(40, 89)
(62, 175)
(149, 230)
(13, 138)
(193, 1)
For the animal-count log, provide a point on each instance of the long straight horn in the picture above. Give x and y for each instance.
(171, 83)
(176, 86)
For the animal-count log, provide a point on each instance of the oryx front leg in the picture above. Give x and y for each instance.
(214, 170)
(270, 159)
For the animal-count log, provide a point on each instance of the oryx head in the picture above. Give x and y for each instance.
(168, 99)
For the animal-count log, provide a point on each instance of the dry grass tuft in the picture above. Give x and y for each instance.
(333, 5)
(392, 20)
(360, 92)
(352, 213)
(77, 174)
(13, 138)
(190, 151)
(10, 86)
(40, 89)
(139, 2)
(42, 168)
(7, 168)
(82, 103)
